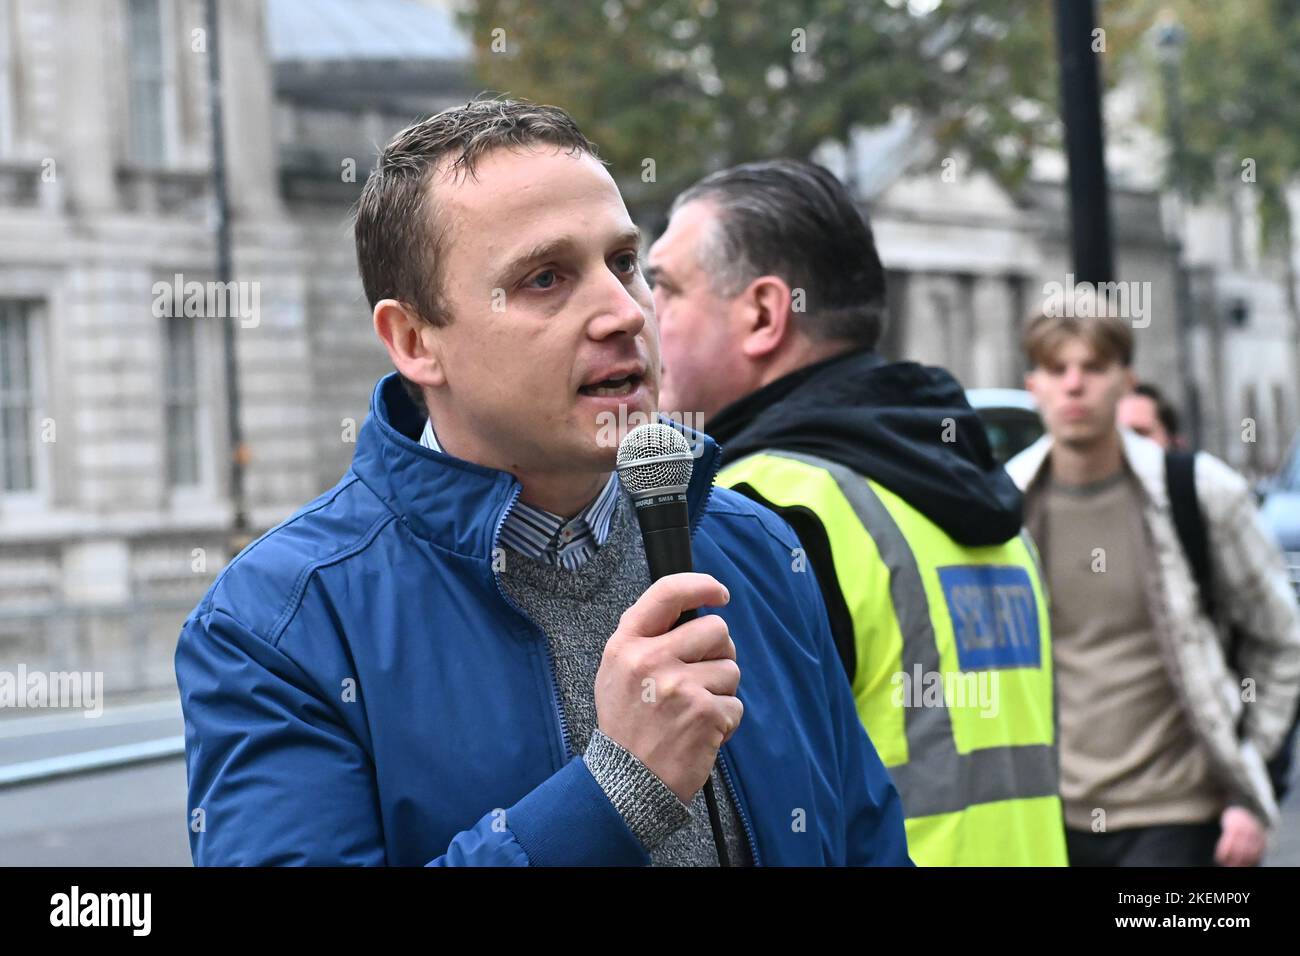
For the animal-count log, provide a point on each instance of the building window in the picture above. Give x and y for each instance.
(148, 144)
(181, 401)
(1018, 363)
(6, 78)
(17, 398)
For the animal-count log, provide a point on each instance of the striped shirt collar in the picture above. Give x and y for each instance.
(543, 536)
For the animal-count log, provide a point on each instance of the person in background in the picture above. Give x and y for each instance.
(770, 297)
(1163, 744)
(1148, 412)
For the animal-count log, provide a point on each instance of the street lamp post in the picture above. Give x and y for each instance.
(1090, 240)
(221, 205)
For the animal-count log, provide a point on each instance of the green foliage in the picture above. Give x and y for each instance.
(699, 84)
(1241, 98)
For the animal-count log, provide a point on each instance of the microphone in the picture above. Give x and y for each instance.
(654, 467)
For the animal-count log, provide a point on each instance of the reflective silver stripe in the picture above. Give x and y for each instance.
(936, 779)
(1032, 547)
(981, 776)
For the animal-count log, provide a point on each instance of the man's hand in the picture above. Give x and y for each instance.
(1243, 840)
(669, 695)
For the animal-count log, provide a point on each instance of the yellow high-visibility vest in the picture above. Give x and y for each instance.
(954, 664)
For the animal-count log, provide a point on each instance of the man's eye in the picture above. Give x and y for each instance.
(629, 261)
(543, 280)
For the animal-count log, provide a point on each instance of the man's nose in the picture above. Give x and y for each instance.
(1073, 379)
(617, 311)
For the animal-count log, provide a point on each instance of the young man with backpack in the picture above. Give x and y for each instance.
(1148, 412)
(1164, 732)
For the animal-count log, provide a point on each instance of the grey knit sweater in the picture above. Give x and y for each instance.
(579, 610)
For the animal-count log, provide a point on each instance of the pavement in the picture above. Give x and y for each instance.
(134, 815)
(75, 811)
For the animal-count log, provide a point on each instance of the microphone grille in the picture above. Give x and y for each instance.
(654, 456)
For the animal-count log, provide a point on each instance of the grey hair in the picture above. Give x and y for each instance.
(794, 220)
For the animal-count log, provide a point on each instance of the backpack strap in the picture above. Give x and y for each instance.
(1180, 479)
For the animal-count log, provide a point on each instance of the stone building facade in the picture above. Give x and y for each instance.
(115, 507)
(115, 492)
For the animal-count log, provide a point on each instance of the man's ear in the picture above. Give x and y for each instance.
(412, 343)
(1130, 380)
(766, 316)
(1029, 383)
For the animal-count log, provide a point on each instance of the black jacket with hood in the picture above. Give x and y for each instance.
(887, 421)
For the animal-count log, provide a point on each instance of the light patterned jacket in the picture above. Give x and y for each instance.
(1252, 594)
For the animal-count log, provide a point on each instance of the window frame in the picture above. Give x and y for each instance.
(207, 390)
(167, 92)
(8, 103)
(34, 311)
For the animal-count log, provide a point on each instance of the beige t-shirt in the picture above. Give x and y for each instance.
(1126, 745)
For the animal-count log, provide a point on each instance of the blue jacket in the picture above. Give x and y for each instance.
(358, 690)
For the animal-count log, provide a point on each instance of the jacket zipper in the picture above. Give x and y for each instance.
(555, 682)
(725, 765)
(550, 659)
(723, 760)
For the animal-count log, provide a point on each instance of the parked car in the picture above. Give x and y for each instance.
(1010, 417)
(1281, 509)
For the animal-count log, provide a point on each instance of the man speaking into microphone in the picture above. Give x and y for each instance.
(457, 656)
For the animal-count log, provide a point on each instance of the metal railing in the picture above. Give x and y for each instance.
(92, 761)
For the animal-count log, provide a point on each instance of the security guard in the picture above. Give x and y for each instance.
(770, 299)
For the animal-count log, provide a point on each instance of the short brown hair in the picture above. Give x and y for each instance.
(398, 235)
(1110, 338)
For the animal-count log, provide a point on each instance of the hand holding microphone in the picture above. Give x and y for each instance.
(666, 687)
(666, 693)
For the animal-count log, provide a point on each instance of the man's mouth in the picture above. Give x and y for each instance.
(612, 387)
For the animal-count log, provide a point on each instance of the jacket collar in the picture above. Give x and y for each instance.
(453, 503)
(737, 417)
(1143, 457)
